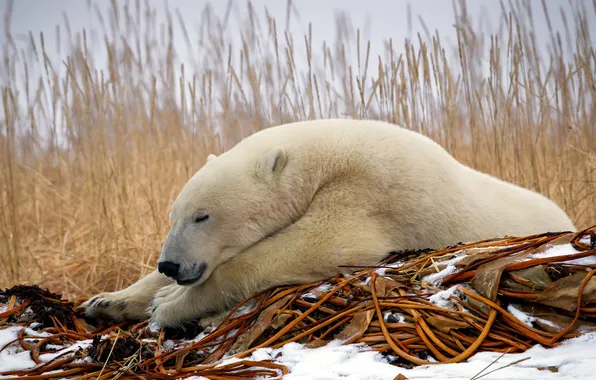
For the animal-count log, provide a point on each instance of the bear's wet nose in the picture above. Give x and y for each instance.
(168, 268)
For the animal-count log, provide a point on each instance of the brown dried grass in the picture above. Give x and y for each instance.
(92, 160)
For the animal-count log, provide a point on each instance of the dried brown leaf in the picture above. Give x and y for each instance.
(534, 277)
(244, 341)
(281, 321)
(563, 292)
(478, 306)
(385, 287)
(473, 255)
(316, 343)
(555, 323)
(507, 282)
(444, 324)
(488, 276)
(357, 327)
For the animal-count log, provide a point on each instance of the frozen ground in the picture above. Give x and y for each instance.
(573, 359)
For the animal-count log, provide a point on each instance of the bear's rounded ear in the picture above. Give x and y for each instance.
(211, 157)
(271, 163)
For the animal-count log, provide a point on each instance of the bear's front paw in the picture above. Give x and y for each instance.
(115, 306)
(170, 307)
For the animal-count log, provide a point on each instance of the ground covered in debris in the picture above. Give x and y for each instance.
(523, 307)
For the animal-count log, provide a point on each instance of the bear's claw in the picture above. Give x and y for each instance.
(103, 304)
(113, 306)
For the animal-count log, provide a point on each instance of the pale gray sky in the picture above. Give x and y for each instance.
(379, 20)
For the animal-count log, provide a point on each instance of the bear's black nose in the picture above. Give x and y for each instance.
(168, 268)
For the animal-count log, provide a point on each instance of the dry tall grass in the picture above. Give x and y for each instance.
(92, 160)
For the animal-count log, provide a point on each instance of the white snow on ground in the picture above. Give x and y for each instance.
(586, 240)
(49, 356)
(565, 249)
(575, 359)
(10, 358)
(393, 317)
(381, 271)
(556, 250)
(316, 292)
(450, 268)
(523, 317)
(14, 358)
(441, 299)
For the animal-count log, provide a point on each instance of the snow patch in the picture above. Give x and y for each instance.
(574, 359)
(441, 299)
(562, 250)
(389, 317)
(381, 271)
(546, 322)
(450, 268)
(523, 317)
(75, 347)
(333, 361)
(586, 239)
(13, 358)
(316, 292)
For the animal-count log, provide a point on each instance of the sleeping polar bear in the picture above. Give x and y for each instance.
(291, 203)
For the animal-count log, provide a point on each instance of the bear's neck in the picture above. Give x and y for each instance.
(312, 170)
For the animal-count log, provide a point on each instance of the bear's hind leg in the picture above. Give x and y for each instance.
(127, 304)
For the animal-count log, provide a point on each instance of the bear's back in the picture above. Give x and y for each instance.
(384, 143)
(393, 162)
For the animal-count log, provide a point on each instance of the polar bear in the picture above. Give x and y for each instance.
(291, 204)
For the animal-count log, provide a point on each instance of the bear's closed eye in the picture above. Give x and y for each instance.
(201, 218)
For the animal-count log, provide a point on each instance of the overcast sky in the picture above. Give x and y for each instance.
(387, 18)
(379, 19)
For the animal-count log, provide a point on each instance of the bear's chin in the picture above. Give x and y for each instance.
(198, 275)
(188, 282)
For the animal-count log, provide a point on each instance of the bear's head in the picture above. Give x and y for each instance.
(231, 203)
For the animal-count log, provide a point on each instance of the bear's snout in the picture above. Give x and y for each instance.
(169, 269)
(182, 275)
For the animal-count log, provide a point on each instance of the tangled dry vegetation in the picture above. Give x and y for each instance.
(446, 305)
(98, 137)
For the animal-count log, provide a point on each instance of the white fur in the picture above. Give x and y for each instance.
(292, 203)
